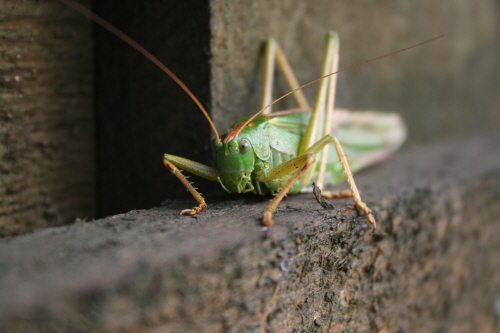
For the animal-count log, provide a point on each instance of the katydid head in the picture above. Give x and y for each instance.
(235, 161)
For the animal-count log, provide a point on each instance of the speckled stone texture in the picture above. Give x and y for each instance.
(431, 266)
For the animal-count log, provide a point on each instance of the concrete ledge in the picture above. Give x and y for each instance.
(431, 266)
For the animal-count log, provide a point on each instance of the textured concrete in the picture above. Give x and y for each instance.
(431, 266)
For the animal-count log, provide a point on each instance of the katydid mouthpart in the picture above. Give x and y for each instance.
(275, 153)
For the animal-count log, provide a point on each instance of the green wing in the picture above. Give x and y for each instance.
(367, 137)
(283, 140)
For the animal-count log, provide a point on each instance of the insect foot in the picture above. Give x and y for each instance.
(267, 219)
(195, 210)
(368, 213)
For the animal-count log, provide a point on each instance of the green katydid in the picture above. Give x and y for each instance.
(275, 153)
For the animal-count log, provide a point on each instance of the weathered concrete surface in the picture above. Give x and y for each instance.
(432, 265)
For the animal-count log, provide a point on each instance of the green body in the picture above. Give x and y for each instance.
(277, 154)
(244, 162)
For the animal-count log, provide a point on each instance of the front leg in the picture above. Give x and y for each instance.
(298, 165)
(171, 162)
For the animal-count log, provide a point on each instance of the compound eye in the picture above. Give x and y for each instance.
(244, 146)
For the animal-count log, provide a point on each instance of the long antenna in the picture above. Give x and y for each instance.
(237, 129)
(115, 31)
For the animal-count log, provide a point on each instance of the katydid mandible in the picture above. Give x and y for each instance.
(275, 153)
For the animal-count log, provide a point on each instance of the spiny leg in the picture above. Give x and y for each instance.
(322, 116)
(320, 144)
(291, 79)
(273, 54)
(315, 128)
(319, 122)
(267, 218)
(296, 167)
(202, 205)
(269, 61)
(199, 169)
(352, 184)
(330, 104)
